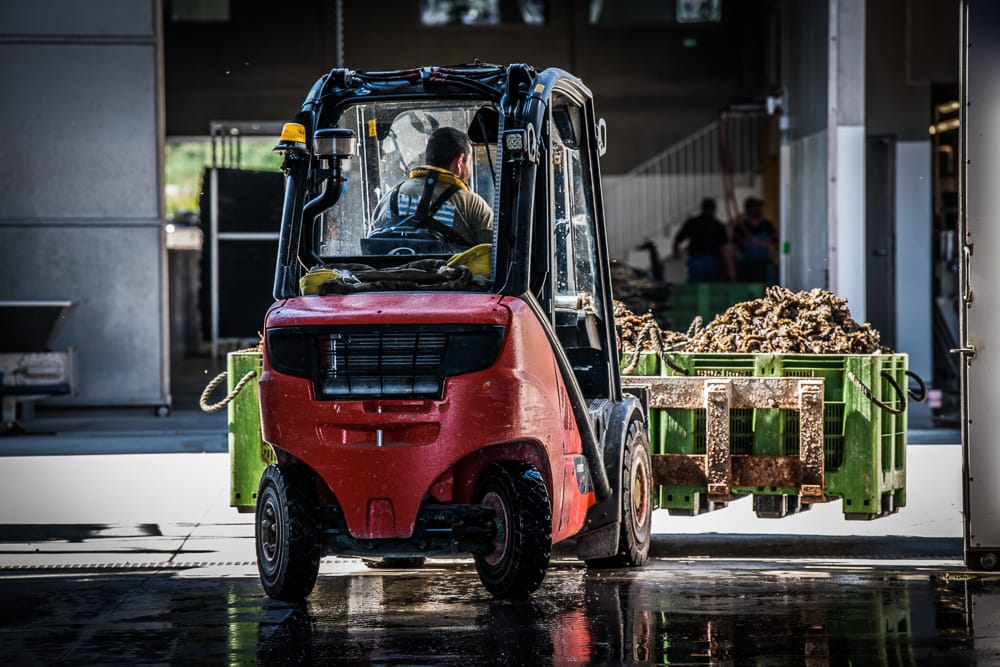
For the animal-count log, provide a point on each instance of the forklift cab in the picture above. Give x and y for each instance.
(548, 237)
(391, 142)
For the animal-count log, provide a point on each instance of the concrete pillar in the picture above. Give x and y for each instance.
(980, 273)
(846, 153)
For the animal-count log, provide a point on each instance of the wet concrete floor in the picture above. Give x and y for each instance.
(674, 611)
(137, 559)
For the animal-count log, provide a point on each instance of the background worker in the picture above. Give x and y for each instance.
(707, 243)
(756, 242)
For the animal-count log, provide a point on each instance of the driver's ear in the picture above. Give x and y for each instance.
(459, 167)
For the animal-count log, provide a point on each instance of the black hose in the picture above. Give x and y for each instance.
(316, 206)
(867, 393)
(922, 395)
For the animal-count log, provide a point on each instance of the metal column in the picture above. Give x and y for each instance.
(979, 275)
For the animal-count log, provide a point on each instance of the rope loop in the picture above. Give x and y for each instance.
(216, 381)
(871, 397)
(651, 332)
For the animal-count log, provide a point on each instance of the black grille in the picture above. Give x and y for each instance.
(399, 361)
(380, 363)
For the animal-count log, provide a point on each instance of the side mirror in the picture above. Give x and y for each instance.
(485, 126)
(332, 144)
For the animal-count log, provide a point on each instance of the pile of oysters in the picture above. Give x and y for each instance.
(783, 321)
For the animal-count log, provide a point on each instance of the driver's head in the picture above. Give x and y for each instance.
(446, 144)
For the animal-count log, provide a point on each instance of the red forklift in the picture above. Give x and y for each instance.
(428, 399)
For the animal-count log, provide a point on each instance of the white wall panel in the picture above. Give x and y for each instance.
(80, 138)
(81, 186)
(78, 18)
(113, 275)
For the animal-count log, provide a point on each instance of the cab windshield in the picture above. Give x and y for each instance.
(374, 221)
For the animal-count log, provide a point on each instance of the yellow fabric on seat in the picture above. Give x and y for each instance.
(309, 283)
(478, 258)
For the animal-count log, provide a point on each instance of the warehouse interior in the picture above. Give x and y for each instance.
(851, 144)
(127, 275)
(841, 116)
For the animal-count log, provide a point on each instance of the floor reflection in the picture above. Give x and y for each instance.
(671, 612)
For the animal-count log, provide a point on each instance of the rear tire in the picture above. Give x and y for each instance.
(287, 533)
(637, 502)
(523, 521)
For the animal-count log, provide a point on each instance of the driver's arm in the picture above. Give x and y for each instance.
(477, 218)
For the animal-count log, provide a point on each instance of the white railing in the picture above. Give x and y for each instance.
(651, 199)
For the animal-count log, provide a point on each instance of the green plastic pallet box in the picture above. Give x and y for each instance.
(864, 444)
(248, 453)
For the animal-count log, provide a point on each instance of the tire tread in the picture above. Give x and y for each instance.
(531, 545)
(294, 580)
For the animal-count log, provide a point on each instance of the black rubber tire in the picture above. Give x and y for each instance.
(287, 532)
(394, 562)
(523, 519)
(637, 502)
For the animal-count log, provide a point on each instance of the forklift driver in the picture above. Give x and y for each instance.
(436, 196)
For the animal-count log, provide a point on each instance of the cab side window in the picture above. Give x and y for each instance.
(579, 308)
(575, 241)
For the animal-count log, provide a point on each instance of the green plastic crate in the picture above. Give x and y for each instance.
(682, 431)
(248, 453)
(649, 363)
(688, 300)
(864, 445)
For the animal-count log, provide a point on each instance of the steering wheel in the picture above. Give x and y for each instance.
(402, 250)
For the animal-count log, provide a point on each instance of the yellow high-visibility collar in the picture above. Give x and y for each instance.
(443, 175)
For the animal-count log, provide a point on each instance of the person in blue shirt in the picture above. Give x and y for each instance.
(756, 242)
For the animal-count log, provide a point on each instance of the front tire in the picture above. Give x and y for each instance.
(287, 533)
(637, 502)
(523, 521)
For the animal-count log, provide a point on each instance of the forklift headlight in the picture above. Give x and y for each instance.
(291, 351)
(520, 144)
(513, 141)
